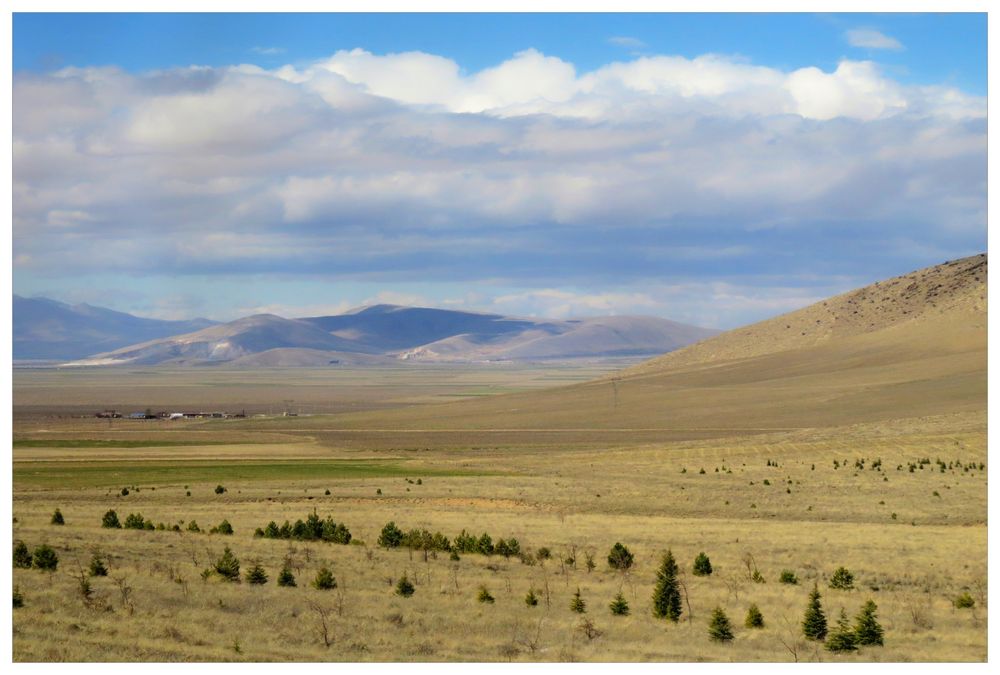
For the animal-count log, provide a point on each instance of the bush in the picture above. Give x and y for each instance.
(842, 579)
(667, 595)
(57, 518)
(619, 606)
(110, 519)
(788, 577)
(97, 567)
(814, 622)
(256, 575)
(404, 587)
(866, 626)
(135, 521)
(124, 492)
(754, 618)
(22, 557)
(543, 553)
(391, 536)
(285, 577)
(45, 558)
(219, 489)
(964, 601)
(484, 596)
(324, 580)
(193, 526)
(620, 558)
(228, 566)
(842, 639)
(577, 604)
(222, 528)
(702, 565)
(18, 598)
(531, 600)
(719, 628)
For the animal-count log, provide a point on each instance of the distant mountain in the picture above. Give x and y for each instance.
(45, 329)
(386, 333)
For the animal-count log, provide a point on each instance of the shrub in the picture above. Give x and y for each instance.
(135, 521)
(543, 553)
(271, 531)
(814, 622)
(45, 558)
(222, 528)
(788, 577)
(667, 595)
(193, 526)
(404, 587)
(619, 606)
(391, 536)
(754, 618)
(324, 580)
(485, 544)
(57, 518)
(124, 492)
(97, 567)
(577, 604)
(228, 566)
(484, 596)
(327, 493)
(842, 639)
(620, 558)
(531, 600)
(219, 489)
(22, 556)
(18, 598)
(702, 565)
(866, 626)
(842, 579)
(454, 556)
(719, 628)
(110, 519)
(285, 577)
(256, 575)
(964, 601)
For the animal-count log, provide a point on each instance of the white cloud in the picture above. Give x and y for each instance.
(626, 42)
(268, 51)
(869, 38)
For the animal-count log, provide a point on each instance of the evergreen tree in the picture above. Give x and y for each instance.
(97, 567)
(135, 521)
(256, 575)
(842, 579)
(110, 519)
(667, 595)
(228, 566)
(45, 558)
(271, 531)
(391, 536)
(485, 596)
(18, 598)
(754, 618)
(57, 518)
(531, 600)
(285, 577)
(814, 622)
(702, 565)
(22, 556)
(620, 558)
(842, 639)
(619, 606)
(193, 526)
(223, 528)
(788, 577)
(324, 580)
(404, 587)
(577, 604)
(866, 626)
(719, 628)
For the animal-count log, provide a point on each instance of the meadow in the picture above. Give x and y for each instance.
(901, 503)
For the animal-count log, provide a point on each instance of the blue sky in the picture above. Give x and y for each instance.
(715, 169)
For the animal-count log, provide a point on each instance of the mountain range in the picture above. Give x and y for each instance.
(85, 335)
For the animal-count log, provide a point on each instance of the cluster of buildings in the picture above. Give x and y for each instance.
(150, 415)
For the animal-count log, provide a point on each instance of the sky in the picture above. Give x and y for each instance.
(715, 169)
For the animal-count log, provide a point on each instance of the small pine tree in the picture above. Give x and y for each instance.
(404, 587)
(285, 577)
(324, 580)
(45, 558)
(18, 597)
(842, 639)
(256, 575)
(97, 567)
(619, 606)
(110, 520)
(702, 565)
(577, 604)
(620, 558)
(814, 622)
(667, 595)
(964, 601)
(485, 596)
(754, 618)
(391, 536)
(223, 528)
(22, 556)
(719, 628)
(866, 626)
(842, 579)
(57, 518)
(228, 566)
(219, 489)
(531, 600)
(135, 521)
(193, 526)
(788, 577)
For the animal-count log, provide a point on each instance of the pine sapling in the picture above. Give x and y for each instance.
(619, 606)
(577, 604)
(719, 628)
(754, 618)
(866, 626)
(814, 622)
(842, 639)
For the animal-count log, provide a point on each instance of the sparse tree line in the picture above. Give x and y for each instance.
(422, 540)
(135, 521)
(311, 529)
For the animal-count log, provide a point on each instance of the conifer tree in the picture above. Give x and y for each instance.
(45, 558)
(814, 622)
(57, 518)
(485, 596)
(702, 565)
(285, 577)
(620, 558)
(228, 566)
(110, 520)
(719, 628)
(405, 587)
(866, 626)
(22, 556)
(842, 579)
(97, 567)
(842, 639)
(256, 575)
(577, 604)
(754, 618)
(531, 600)
(324, 580)
(667, 595)
(18, 597)
(619, 606)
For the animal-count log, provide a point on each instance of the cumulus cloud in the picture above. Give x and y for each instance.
(400, 168)
(869, 38)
